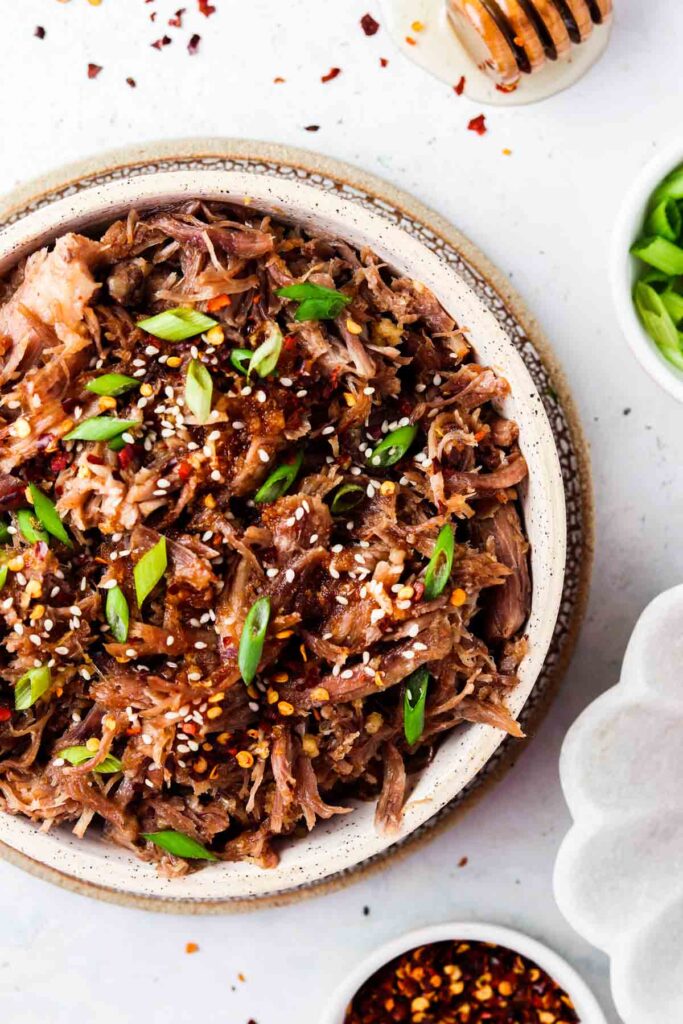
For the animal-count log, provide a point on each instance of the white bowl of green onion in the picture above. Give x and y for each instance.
(647, 269)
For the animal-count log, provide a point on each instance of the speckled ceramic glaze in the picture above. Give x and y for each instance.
(619, 874)
(330, 197)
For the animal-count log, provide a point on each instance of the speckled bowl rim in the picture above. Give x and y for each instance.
(193, 152)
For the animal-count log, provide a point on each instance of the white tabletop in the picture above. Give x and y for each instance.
(544, 214)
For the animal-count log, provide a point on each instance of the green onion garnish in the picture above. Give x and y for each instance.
(112, 384)
(149, 570)
(673, 302)
(347, 496)
(198, 390)
(5, 535)
(118, 614)
(440, 564)
(240, 359)
(315, 301)
(414, 700)
(670, 188)
(665, 221)
(264, 359)
(177, 324)
(661, 254)
(116, 445)
(179, 845)
(100, 428)
(29, 528)
(3, 575)
(279, 481)
(657, 321)
(253, 638)
(393, 447)
(31, 686)
(79, 755)
(46, 513)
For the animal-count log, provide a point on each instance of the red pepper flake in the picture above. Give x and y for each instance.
(332, 73)
(312, 128)
(131, 82)
(419, 589)
(463, 862)
(191, 947)
(193, 45)
(39, 32)
(278, 80)
(59, 462)
(5, 714)
(153, 16)
(206, 8)
(460, 87)
(507, 88)
(177, 20)
(129, 454)
(184, 470)
(478, 125)
(218, 302)
(159, 44)
(383, 62)
(93, 70)
(369, 25)
(410, 41)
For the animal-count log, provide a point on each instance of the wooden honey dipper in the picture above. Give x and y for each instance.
(511, 38)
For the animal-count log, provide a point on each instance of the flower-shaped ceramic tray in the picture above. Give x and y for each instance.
(619, 874)
(362, 198)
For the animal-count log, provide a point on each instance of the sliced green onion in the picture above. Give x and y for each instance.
(29, 528)
(5, 535)
(673, 302)
(198, 390)
(46, 514)
(279, 481)
(112, 384)
(393, 447)
(100, 428)
(414, 700)
(3, 575)
(31, 686)
(116, 445)
(440, 564)
(253, 638)
(347, 496)
(657, 321)
(179, 845)
(118, 614)
(315, 301)
(661, 254)
(79, 755)
(177, 324)
(665, 220)
(264, 359)
(659, 281)
(149, 570)
(670, 188)
(240, 359)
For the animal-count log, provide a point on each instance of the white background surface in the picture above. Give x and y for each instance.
(544, 214)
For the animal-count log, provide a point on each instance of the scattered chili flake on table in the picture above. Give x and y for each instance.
(39, 32)
(383, 62)
(131, 82)
(177, 20)
(369, 25)
(332, 73)
(463, 862)
(279, 80)
(460, 87)
(158, 44)
(193, 44)
(312, 128)
(461, 983)
(478, 125)
(206, 8)
(94, 70)
(191, 947)
(410, 41)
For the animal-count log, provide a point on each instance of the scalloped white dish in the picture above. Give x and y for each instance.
(619, 873)
(332, 847)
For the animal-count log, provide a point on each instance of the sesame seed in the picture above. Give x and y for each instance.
(299, 513)
(334, 573)
(314, 537)
(347, 673)
(289, 575)
(61, 650)
(214, 435)
(340, 599)
(35, 639)
(200, 645)
(260, 396)
(216, 475)
(246, 391)
(170, 640)
(272, 573)
(263, 455)
(286, 382)
(327, 430)
(238, 425)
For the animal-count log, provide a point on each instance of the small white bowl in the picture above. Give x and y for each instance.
(625, 270)
(586, 1005)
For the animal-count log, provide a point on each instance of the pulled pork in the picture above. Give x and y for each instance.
(175, 740)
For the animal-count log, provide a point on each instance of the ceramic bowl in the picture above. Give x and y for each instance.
(338, 845)
(625, 270)
(619, 873)
(585, 1002)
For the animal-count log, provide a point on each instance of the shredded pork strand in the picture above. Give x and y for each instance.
(239, 769)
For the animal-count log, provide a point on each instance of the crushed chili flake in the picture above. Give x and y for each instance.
(191, 947)
(40, 32)
(5, 714)
(463, 862)
(193, 45)
(153, 16)
(131, 82)
(369, 25)
(94, 70)
(158, 44)
(478, 125)
(512, 87)
(383, 62)
(332, 73)
(312, 128)
(410, 41)
(279, 80)
(177, 20)
(460, 87)
(206, 8)
(462, 983)
(507, 152)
